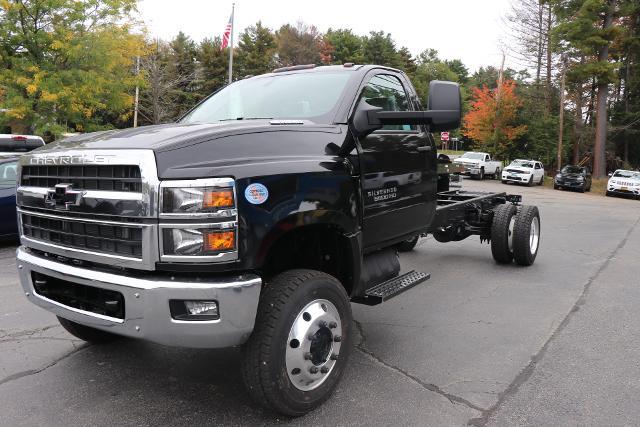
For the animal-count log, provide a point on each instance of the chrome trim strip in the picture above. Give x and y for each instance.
(86, 194)
(80, 219)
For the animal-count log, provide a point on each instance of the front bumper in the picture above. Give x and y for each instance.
(623, 191)
(569, 184)
(147, 315)
(519, 178)
(468, 170)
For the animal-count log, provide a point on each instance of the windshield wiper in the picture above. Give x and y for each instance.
(246, 118)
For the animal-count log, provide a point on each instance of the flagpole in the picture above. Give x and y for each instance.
(231, 44)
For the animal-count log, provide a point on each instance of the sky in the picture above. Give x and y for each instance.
(470, 30)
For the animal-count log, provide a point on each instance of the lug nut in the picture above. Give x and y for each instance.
(337, 338)
(334, 357)
(313, 370)
(307, 356)
(322, 324)
(324, 370)
(333, 325)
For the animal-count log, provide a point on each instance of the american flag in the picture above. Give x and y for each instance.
(227, 32)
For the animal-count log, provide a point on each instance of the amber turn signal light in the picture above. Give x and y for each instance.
(215, 241)
(217, 199)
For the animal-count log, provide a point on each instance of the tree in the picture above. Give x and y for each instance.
(256, 51)
(298, 45)
(491, 120)
(589, 27)
(345, 46)
(183, 71)
(67, 63)
(213, 65)
(380, 49)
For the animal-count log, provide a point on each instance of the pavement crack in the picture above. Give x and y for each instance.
(28, 332)
(427, 386)
(30, 372)
(528, 370)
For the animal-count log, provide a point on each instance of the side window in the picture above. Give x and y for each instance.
(487, 158)
(386, 91)
(537, 165)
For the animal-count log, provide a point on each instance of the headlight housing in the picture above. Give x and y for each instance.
(213, 197)
(208, 227)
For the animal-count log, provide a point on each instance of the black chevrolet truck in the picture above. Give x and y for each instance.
(255, 221)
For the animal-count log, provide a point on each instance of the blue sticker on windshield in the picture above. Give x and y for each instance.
(256, 194)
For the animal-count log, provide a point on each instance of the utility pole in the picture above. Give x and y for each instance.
(136, 101)
(564, 60)
(498, 94)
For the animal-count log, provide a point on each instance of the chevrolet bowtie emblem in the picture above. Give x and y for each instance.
(62, 197)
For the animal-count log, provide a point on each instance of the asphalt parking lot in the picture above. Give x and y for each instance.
(557, 343)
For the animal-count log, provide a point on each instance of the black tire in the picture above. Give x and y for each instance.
(481, 176)
(500, 250)
(608, 194)
(523, 253)
(86, 333)
(530, 183)
(407, 245)
(263, 356)
(556, 187)
(541, 180)
(583, 188)
(497, 174)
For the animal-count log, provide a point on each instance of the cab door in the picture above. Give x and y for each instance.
(398, 167)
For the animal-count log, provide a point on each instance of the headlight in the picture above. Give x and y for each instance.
(558, 176)
(580, 179)
(198, 241)
(207, 230)
(201, 197)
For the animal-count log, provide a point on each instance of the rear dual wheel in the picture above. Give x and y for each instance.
(515, 235)
(300, 345)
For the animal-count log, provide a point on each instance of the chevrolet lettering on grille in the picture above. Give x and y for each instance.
(63, 196)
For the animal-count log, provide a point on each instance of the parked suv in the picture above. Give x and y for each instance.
(573, 178)
(524, 172)
(13, 145)
(624, 183)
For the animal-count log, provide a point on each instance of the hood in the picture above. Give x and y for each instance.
(571, 175)
(172, 136)
(238, 148)
(466, 161)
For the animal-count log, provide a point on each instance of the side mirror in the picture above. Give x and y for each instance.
(446, 101)
(443, 114)
(610, 174)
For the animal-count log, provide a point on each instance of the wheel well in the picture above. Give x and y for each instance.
(316, 247)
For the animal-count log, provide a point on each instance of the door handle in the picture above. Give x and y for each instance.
(424, 148)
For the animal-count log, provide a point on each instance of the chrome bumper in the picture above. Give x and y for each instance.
(147, 314)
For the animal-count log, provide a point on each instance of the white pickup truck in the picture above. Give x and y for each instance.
(477, 164)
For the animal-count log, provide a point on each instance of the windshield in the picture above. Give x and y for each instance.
(522, 164)
(627, 174)
(572, 169)
(8, 174)
(287, 96)
(474, 156)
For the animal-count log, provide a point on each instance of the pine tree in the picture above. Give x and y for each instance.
(256, 51)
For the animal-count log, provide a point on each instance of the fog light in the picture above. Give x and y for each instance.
(194, 310)
(201, 308)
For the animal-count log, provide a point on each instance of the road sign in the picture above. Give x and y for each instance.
(444, 136)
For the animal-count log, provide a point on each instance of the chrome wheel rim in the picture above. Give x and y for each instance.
(313, 345)
(534, 235)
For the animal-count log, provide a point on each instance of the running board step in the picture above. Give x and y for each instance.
(389, 289)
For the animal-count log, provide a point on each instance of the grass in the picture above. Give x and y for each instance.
(451, 152)
(598, 186)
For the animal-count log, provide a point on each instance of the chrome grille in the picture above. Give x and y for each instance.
(86, 177)
(97, 237)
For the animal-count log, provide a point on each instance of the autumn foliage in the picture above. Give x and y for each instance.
(491, 120)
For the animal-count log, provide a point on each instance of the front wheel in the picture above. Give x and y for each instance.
(407, 245)
(526, 235)
(496, 175)
(530, 183)
(481, 176)
(300, 345)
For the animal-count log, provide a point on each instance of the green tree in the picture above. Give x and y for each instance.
(183, 68)
(67, 63)
(380, 49)
(345, 46)
(256, 51)
(214, 65)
